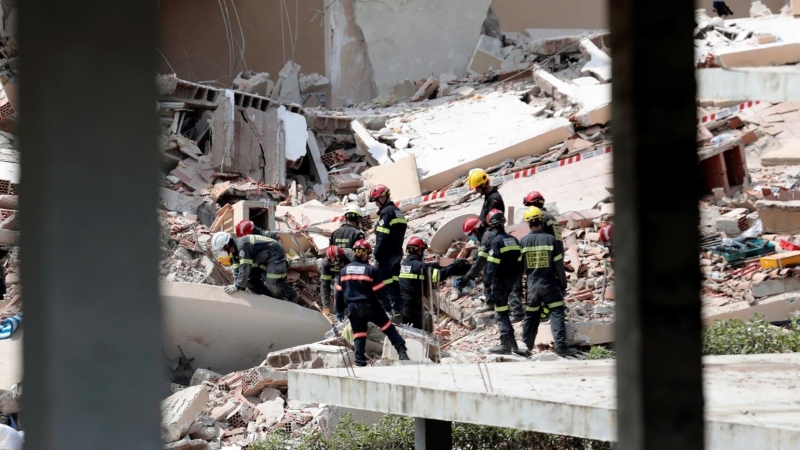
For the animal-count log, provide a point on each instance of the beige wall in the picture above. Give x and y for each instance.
(199, 26)
(516, 15)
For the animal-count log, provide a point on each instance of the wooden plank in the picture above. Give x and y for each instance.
(780, 260)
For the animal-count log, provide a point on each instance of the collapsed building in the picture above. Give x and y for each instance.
(532, 107)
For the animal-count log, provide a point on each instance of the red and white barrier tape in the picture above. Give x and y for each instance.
(496, 181)
(727, 112)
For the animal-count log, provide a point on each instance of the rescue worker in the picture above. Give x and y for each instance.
(358, 294)
(413, 272)
(551, 225)
(480, 182)
(543, 262)
(335, 259)
(503, 269)
(344, 237)
(255, 250)
(245, 227)
(607, 238)
(390, 231)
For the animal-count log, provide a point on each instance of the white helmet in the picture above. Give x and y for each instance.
(355, 210)
(219, 240)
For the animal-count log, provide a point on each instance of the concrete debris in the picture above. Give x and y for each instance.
(488, 56)
(252, 82)
(180, 410)
(287, 89)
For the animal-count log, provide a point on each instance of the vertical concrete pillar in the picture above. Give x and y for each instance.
(432, 434)
(659, 378)
(94, 371)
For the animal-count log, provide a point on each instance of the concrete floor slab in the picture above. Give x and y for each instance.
(752, 401)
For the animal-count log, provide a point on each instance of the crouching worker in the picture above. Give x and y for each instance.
(261, 252)
(359, 293)
(335, 259)
(412, 278)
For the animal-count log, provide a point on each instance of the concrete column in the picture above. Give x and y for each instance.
(430, 434)
(659, 378)
(94, 372)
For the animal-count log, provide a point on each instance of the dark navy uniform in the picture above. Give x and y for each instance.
(268, 254)
(390, 230)
(550, 225)
(412, 283)
(492, 200)
(543, 262)
(329, 274)
(344, 237)
(358, 291)
(503, 269)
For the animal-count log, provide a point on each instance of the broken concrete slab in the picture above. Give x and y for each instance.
(787, 155)
(271, 410)
(175, 201)
(401, 177)
(594, 101)
(254, 325)
(9, 403)
(398, 38)
(201, 375)
(312, 82)
(598, 63)
(421, 346)
(295, 134)
(330, 355)
(9, 202)
(404, 90)
(374, 152)
(768, 288)
(316, 157)
(777, 54)
(542, 41)
(488, 56)
(774, 309)
(179, 410)
(779, 217)
(289, 83)
(188, 444)
(426, 90)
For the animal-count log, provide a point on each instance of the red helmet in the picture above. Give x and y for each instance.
(414, 241)
(470, 224)
(495, 218)
(607, 233)
(363, 245)
(532, 197)
(334, 252)
(245, 227)
(377, 191)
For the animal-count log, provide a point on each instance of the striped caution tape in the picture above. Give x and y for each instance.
(496, 181)
(727, 112)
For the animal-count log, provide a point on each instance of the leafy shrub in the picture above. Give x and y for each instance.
(735, 337)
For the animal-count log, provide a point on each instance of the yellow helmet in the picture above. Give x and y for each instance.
(533, 213)
(477, 177)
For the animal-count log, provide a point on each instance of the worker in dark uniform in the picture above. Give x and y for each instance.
(543, 261)
(480, 181)
(335, 258)
(503, 269)
(245, 227)
(357, 295)
(607, 239)
(255, 250)
(550, 225)
(390, 230)
(413, 273)
(344, 238)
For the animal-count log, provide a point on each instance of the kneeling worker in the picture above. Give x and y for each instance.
(543, 261)
(335, 259)
(412, 278)
(343, 238)
(360, 291)
(254, 250)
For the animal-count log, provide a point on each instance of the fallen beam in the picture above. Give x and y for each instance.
(771, 84)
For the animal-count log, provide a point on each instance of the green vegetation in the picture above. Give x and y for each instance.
(735, 337)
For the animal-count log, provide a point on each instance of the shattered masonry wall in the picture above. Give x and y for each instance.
(415, 39)
(196, 28)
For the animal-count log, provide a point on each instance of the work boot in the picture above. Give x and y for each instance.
(515, 348)
(504, 348)
(516, 319)
(484, 308)
(402, 355)
(569, 351)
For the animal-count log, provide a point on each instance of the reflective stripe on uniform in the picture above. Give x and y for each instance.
(537, 248)
(509, 248)
(379, 286)
(326, 277)
(412, 276)
(386, 326)
(395, 278)
(398, 220)
(253, 238)
(531, 308)
(555, 304)
(501, 308)
(236, 266)
(483, 255)
(434, 276)
(360, 334)
(246, 261)
(382, 230)
(388, 281)
(558, 258)
(276, 276)
(493, 260)
(356, 278)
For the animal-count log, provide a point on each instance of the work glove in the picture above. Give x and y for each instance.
(231, 289)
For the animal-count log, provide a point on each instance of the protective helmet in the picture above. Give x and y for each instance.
(532, 198)
(470, 225)
(334, 252)
(495, 218)
(607, 233)
(362, 244)
(353, 212)
(245, 227)
(377, 191)
(533, 213)
(415, 242)
(219, 240)
(477, 177)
